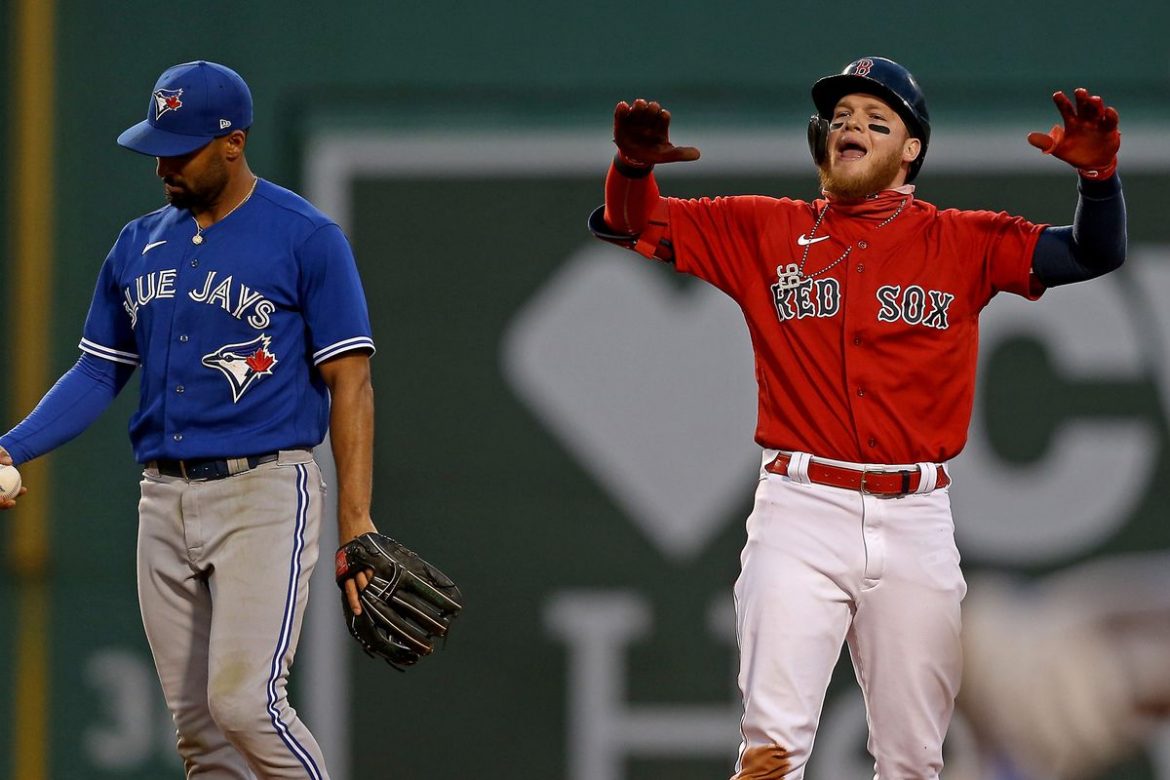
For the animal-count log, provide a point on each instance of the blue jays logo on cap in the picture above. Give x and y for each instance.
(191, 105)
(167, 100)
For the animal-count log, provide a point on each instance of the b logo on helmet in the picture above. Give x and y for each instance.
(862, 67)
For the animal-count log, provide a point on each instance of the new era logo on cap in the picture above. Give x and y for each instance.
(191, 104)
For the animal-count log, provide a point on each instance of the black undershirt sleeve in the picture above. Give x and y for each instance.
(1094, 244)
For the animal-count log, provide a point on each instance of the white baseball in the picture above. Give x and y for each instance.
(9, 481)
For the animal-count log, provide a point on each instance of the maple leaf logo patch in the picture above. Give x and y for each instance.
(243, 363)
(261, 361)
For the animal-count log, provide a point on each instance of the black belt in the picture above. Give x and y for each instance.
(210, 468)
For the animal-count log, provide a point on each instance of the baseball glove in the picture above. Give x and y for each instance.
(406, 606)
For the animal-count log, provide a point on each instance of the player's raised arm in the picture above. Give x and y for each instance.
(641, 132)
(1095, 242)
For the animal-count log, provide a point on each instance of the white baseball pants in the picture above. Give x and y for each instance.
(822, 566)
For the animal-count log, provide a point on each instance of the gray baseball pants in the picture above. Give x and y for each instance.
(223, 580)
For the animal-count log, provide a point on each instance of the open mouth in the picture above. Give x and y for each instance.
(851, 150)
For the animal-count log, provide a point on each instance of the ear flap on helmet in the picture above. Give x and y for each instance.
(818, 137)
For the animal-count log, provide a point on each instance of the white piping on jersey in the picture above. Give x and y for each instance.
(97, 350)
(357, 342)
(132, 359)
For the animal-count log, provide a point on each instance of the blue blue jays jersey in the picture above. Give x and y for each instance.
(229, 325)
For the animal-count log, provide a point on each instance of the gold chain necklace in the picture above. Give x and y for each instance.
(793, 275)
(198, 237)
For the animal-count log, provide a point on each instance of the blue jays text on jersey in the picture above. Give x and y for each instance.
(235, 298)
(229, 324)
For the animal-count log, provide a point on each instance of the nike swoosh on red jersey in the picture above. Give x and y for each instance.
(801, 240)
(149, 247)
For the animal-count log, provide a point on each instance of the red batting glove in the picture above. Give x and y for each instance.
(1089, 139)
(641, 134)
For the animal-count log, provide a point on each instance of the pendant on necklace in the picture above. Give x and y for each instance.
(788, 277)
(196, 239)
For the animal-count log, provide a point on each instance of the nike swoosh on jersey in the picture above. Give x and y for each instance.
(801, 240)
(151, 246)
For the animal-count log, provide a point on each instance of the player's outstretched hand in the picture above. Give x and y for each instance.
(641, 132)
(1089, 139)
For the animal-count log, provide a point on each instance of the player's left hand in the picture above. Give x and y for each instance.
(1089, 139)
(349, 528)
(409, 605)
(354, 586)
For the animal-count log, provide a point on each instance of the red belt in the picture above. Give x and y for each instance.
(875, 482)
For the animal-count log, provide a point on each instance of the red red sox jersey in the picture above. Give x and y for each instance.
(863, 317)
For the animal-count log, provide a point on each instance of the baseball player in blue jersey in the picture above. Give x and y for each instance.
(242, 305)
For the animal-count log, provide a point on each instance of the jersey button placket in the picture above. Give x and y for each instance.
(183, 338)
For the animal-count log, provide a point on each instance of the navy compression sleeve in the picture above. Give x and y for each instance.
(1094, 244)
(79, 397)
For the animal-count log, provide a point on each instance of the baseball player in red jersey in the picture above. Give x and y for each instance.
(863, 310)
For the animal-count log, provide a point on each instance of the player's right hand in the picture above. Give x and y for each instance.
(641, 132)
(9, 503)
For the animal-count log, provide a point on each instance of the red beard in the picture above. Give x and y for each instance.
(877, 176)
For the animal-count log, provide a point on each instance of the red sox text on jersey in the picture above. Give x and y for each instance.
(800, 298)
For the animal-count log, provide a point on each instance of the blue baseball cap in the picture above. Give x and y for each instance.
(191, 105)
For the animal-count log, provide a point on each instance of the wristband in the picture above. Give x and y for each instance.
(1099, 174)
(631, 169)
